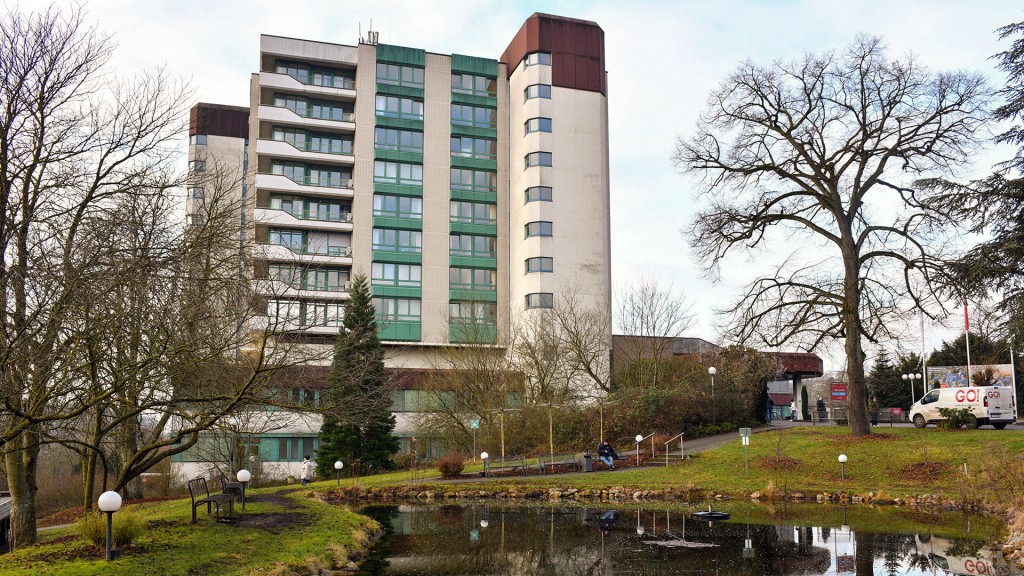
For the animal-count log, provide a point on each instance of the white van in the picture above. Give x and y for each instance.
(989, 404)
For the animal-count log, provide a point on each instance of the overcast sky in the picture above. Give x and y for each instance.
(663, 59)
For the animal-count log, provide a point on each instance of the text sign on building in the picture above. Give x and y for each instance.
(838, 391)
(474, 424)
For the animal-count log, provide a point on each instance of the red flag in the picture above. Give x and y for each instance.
(967, 324)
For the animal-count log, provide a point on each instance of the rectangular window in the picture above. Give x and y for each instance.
(467, 147)
(386, 273)
(476, 116)
(397, 309)
(197, 219)
(469, 245)
(293, 240)
(539, 228)
(538, 159)
(463, 179)
(538, 125)
(538, 194)
(472, 279)
(475, 85)
(472, 312)
(283, 310)
(313, 141)
(197, 140)
(540, 300)
(473, 212)
(387, 239)
(397, 173)
(396, 107)
(535, 58)
(313, 175)
(399, 140)
(540, 264)
(397, 206)
(319, 109)
(322, 313)
(197, 166)
(197, 192)
(538, 91)
(399, 75)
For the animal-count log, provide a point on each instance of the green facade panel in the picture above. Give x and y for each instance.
(398, 156)
(474, 100)
(460, 130)
(401, 55)
(401, 223)
(465, 295)
(399, 189)
(477, 334)
(474, 229)
(404, 91)
(397, 257)
(475, 196)
(474, 163)
(472, 262)
(401, 331)
(404, 123)
(396, 291)
(474, 65)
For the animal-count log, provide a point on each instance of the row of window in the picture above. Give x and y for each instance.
(317, 109)
(397, 173)
(475, 85)
(311, 208)
(398, 107)
(397, 206)
(316, 75)
(390, 274)
(468, 147)
(408, 241)
(303, 242)
(472, 313)
(399, 75)
(306, 313)
(535, 58)
(398, 140)
(325, 278)
(314, 141)
(313, 175)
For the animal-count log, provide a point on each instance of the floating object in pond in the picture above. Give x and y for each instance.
(710, 515)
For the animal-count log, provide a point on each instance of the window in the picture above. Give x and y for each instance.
(535, 58)
(397, 309)
(538, 194)
(322, 210)
(469, 245)
(930, 397)
(197, 166)
(466, 147)
(397, 240)
(472, 312)
(294, 449)
(322, 313)
(397, 206)
(387, 273)
(473, 212)
(478, 117)
(197, 140)
(538, 159)
(315, 75)
(313, 108)
(293, 240)
(395, 107)
(313, 141)
(473, 279)
(462, 179)
(538, 91)
(397, 173)
(400, 140)
(399, 75)
(538, 229)
(538, 125)
(197, 219)
(283, 310)
(326, 279)
(475, 85)
(197, 192)
(540, 300)
(540, 264)
(312, 175)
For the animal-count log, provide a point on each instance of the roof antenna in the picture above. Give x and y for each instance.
(371, 34)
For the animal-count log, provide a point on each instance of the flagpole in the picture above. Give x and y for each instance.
(924, 361)
(967, 337)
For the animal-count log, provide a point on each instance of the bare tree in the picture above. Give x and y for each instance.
(819, 150)
(651, 317)
(584, 338)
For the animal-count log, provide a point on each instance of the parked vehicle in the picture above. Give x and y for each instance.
(988, 404)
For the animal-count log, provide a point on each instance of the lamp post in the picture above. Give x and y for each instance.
(338, 466)
(484, 456)
(109, 502)
(244, 476)
(714, 418)
(639, 438)
(842, 463)
(911, 377)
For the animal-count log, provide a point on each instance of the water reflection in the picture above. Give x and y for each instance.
(565, 540)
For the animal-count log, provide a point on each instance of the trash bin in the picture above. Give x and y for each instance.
(588, 463)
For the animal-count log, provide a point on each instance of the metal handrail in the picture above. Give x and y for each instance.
(651, 436)
(682, 453)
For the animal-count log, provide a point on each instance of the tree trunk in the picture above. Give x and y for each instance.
(88, 479)
(856, 393)
(23, 505)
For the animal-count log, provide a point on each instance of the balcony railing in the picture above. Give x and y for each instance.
(314, 215)
(325, 80)
(332, 114)
(318, 181)
(318, 286)
(472, 254)
(306, 250)
(345, 148)
(475, 287)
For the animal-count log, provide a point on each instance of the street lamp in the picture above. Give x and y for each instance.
(244, 476)
(714, 418)
(109, 502)
(842, 462)
(338, 466)
(484, 456)
(911, 377)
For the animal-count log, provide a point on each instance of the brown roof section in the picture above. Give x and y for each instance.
(218, 120)
(576, 47)
(800, 363)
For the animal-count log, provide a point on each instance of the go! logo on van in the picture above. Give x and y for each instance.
(968, 395)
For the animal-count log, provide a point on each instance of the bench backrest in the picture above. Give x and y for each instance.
(197, 487)
(511, 460)
(567, 457)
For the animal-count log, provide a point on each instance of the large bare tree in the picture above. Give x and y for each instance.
(817, 155)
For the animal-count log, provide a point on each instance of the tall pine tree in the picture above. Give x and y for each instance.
(358, 422)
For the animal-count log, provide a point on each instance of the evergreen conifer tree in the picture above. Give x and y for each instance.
(358, 424)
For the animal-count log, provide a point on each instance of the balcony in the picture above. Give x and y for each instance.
(284, 116)
(305, 289)
(343, 87)
(282, 253)
(284, 150)
(282, 183)
(305, 219)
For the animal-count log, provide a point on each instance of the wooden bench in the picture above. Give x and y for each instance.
(200, 494)
(511, 463)
(565, 459)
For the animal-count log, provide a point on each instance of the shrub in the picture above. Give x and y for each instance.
(956, 418)
(451, 465)
(127, 527)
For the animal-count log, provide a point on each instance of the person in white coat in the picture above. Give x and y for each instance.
(306, 474)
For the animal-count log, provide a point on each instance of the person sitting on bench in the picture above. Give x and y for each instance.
(606, 454)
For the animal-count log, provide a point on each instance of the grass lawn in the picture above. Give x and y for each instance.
(899, 461)
(284, 531)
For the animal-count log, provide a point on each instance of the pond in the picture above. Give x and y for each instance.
(491, 538)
